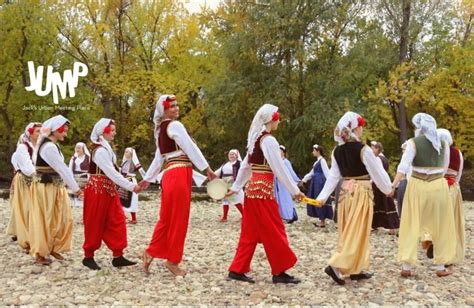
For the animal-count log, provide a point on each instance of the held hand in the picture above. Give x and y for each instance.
(392, 193)
(144, 185)
(299, 197)
(79, 194)
(229, 193)
(137, 189)
(210, 174)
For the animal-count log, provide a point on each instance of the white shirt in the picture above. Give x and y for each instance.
(324, 166)
(271, 152)
(76, 165)
(408, 156)
(104, 160)
(178, 133)
(226, 169)
(374, 167)
(50, 153)
(21, 160)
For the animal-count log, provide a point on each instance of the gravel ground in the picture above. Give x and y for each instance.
(209, 251)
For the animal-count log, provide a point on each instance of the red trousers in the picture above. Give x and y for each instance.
(104, 219)
(261, 223)
(170, 231)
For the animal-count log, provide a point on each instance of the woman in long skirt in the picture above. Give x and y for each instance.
(228, 172)
(385, 211)
(130, 165)
(79, 164)
(318, 176)
(282, 195)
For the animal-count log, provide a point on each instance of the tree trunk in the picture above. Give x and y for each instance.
(403, 57)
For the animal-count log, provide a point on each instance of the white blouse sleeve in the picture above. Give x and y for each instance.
(271, 151)
(461, 167)
(331, 180)
(407, 158)
(324, 166)
(155, 167)
(50, 153)
(292, 172)
(142, 172)
(218, 171)
(178, 133)
(71, 164)
(103, 160)
(23, 160)
(446, 157)
(377, 173)
(309, 175)
(245, 172)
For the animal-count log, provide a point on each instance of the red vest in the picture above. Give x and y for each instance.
(454, 158)
(166, 144)
(257, 156)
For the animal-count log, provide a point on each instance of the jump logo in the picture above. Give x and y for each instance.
(54, 81)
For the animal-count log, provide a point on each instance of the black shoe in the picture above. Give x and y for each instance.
(14, 238)
(429, 252)
(285, 278)
(240, 277)
(90, 263)
(328, 270)
(362, 275)
(121, 261)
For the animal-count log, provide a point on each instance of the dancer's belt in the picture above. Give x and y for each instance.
(177, 162)
(426, 177)
(47, 175)
(261, 168)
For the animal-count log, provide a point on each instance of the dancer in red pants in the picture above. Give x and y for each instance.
(261, 222)
(179, 153)
(104, 219)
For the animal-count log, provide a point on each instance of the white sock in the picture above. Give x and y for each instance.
(439, 267)
(407, 267)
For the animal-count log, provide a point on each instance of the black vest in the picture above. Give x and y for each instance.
(349, 159)
(39, 160)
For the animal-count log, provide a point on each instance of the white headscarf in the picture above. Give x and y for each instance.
(445, 135)
(97, 138)
(26, 136)
(84, 148)
(263, 116)
(52, 124)
(237, 153)
(159, 112)
(426, 125)
(135, 160)
(347, 123)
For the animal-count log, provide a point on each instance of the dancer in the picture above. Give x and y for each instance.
(426, 206)
(50, 218)
(130, 165)
(282, 195)
(357, 165)
(79, 164)
(228, 172)
(20, 192)
(318, 176)
(261, 222)
(179, 153)
(104, 219)
(385, 211)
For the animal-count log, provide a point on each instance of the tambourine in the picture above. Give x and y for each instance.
(217, 188)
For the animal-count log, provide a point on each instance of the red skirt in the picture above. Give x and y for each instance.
(104, 219)
(170, 231)
(261, 223)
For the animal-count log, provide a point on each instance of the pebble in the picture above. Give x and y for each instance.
(210, 248)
